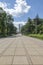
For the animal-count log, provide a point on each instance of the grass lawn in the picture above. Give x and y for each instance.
(40, 36)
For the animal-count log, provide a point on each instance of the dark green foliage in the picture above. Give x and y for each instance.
(6, 24)
(33, 26)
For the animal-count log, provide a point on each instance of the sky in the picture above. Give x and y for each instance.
(22, 9)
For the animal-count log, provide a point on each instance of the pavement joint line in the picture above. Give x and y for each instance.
(25, 50)
(4, 40)
(17, 42)
(20, 64)
(28, 57)
(14, 53)
(38, 52)
(6, 48)
(37, 64)
(13, 56)
(36, 55)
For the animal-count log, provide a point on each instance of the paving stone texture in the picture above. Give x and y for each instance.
(21, 50)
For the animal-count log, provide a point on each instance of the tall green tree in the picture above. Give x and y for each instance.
(6, 23)
(33, 26)
(2, 21)
(9, 21)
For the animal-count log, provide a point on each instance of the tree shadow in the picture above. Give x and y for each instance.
(10, 36)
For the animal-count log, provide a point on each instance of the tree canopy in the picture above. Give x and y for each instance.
(33, 26)
(6, 23)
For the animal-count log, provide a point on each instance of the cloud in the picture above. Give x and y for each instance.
(17, 24)
(20, 7)
(3, 5)
(21, 23)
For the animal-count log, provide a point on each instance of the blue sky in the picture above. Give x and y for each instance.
(30, 8)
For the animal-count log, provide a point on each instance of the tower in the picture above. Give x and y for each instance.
(20, 25)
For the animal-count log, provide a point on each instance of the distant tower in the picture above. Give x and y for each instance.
(20, 25)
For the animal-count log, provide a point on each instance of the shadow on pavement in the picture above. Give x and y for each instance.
(12, 36)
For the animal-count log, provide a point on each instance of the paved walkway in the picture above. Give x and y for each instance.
(21, 50)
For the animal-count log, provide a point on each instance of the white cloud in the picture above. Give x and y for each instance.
(3, 5)
(17, 24)
(21, 23)
(19, 8)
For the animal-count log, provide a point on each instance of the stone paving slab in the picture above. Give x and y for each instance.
(20, 64)
(5, 60)
(37, 60)
(21, 50)
(9, 52)
(20, 60)
(32, 52)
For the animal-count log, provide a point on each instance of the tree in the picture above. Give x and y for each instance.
(2, 21)
(6, 23)
(33, 26)
(38, 22)
(12, 29)
(9, 21)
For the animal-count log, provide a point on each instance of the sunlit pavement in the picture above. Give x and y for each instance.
(21, 50)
